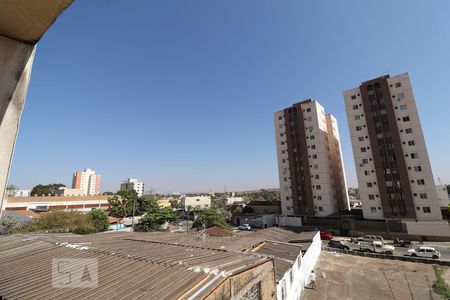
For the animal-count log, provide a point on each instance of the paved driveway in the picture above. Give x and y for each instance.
(342, 276)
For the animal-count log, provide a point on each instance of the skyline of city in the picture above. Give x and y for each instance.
(171, 146)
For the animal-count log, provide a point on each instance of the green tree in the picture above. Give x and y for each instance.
(7, 224)
(153, 220)
(48, 189)
(121, 204)
(223, 209)
(99, 219)
(146, 203)
(210, 217)
(174, 204)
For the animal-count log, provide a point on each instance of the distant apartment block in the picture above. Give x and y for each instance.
(87, 181)
(310, 165)
(394, 173)
(133, 184)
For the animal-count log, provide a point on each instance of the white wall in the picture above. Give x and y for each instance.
(197, 201)
(300, 271)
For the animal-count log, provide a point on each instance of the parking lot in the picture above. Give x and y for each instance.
(342, 276)
(442, 247)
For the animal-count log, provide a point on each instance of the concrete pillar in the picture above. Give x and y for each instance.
(22, 24)
(16, 60)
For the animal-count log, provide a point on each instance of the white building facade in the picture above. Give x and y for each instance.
(133, 184)
(310, 165)
(195, 202)
(392, 165)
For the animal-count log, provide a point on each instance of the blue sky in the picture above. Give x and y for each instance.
(181, 94)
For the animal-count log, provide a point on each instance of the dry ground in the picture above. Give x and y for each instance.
(342, 276)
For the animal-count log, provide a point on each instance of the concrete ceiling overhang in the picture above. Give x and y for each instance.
(28, 20)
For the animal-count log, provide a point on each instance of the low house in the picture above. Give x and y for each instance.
(195, 202)
(263, 207)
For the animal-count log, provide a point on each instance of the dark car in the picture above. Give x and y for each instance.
(338, 245)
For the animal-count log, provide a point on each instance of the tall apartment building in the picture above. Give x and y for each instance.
(133, 184)
(394, 173)
(87, 181)
(310, 165)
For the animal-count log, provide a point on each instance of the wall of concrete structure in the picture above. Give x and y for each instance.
(16, 60)
(292, 284)
(22, 24)
(236, 286)
(428, 228)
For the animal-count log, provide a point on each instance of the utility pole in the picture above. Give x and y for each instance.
(134, 210)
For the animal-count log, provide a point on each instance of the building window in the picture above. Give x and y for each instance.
(308, 109)
(365, 161)
(311, 137)
(358, 128)
(319, 197)
(361, 138)
(408, 130)
(403, 106)
(355, 107)
(405, 119)
(288, 207)
(398, 84)
(423, 196)
(353, 97)
(371, 197)
(414, 155)
(316, 166)
(280, 118)
(318, 187)
(320, 208)
(369, 184)
(314, 156)
(418, 168)
(426, 209)
(373, 209)
(357, 117)
(411, 143)
(316, 177)
(420, 182)
(363, 149)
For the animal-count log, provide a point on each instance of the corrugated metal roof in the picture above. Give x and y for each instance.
(155, 265)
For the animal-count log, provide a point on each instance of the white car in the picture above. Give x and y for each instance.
(245, 227)
(428, 252)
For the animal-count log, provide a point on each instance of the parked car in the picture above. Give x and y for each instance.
(376, 247)
(338, 245)
(325, 236)
(370, 238)
(178, 223)
(401, 243)
(427, 252)
(245, 227)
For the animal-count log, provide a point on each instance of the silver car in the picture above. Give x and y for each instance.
(427, 252)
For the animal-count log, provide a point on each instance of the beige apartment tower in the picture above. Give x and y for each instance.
(87, 181)
(392, 165)
(310, 165)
